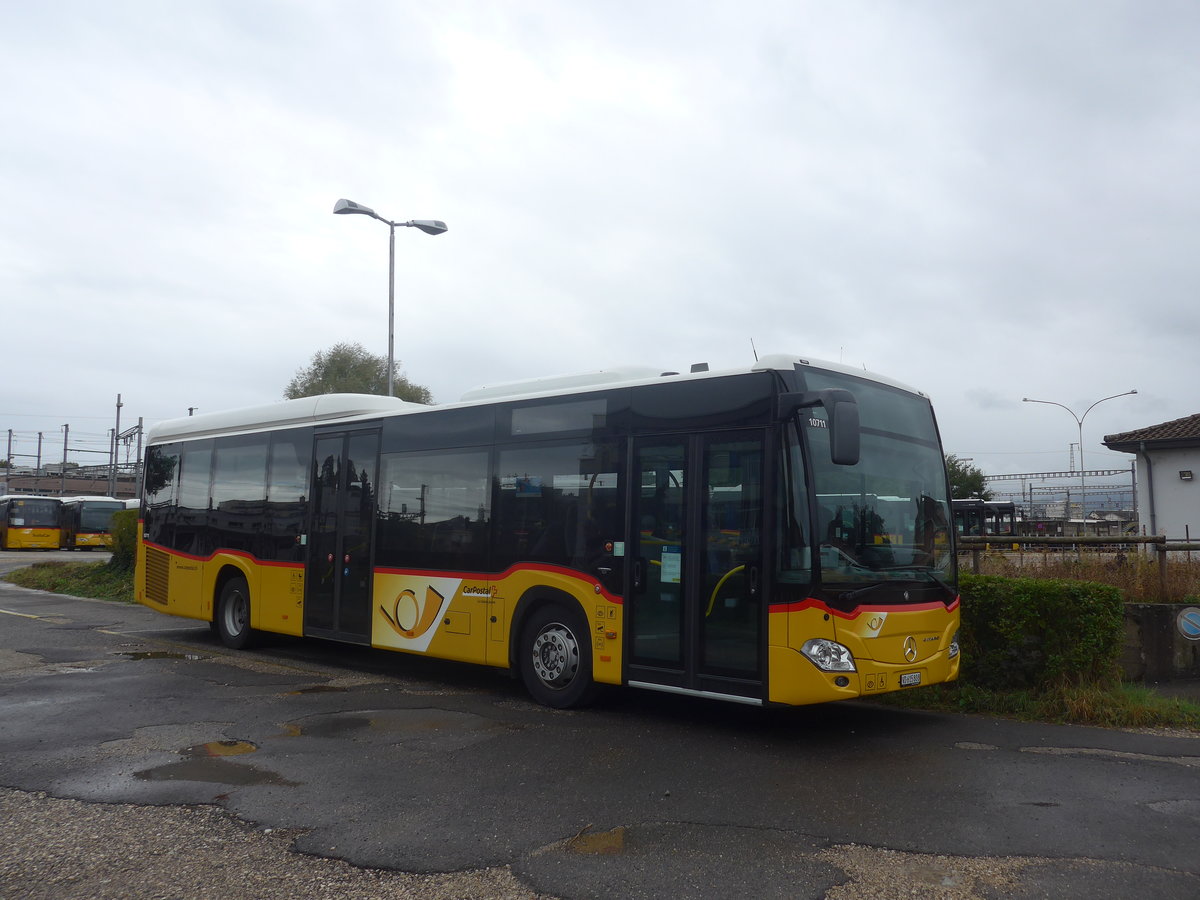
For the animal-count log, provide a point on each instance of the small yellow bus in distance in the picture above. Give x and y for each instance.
(30, 523)
(87, 522)
(777, 534)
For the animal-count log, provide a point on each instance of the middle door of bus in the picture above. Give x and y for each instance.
(337, 601)
(695, 598)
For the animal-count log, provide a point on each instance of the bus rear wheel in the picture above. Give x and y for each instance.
(233, 615)
(556, 658)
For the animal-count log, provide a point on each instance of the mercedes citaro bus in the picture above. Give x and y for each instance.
(779, 534)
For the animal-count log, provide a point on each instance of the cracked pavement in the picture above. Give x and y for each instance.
(425, 777)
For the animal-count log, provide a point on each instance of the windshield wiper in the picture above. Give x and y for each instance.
(922, 570)
(858, 592)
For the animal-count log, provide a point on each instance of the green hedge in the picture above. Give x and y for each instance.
(1027, 633)
(124, 534)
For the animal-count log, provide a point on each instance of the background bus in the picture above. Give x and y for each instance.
(669, 532)
(87, 522)
(979, 517)
(30, 523)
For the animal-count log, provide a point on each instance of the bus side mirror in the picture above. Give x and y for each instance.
(842, 411)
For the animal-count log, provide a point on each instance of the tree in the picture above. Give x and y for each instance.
(349, 368)
(966, 481)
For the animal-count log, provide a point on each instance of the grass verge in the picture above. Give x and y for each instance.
(79, 579)
(1117, 706)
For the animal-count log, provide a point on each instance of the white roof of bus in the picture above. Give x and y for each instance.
(560, 384)
(348, 407)
(305, 411)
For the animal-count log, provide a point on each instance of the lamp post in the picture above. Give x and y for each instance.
(429, 226)
(1079, 421)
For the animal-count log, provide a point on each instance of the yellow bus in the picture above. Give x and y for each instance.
(777, 534)
(87, 522)
(30, 523)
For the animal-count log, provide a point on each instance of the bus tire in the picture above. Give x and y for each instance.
(233, 615)
(556, 658)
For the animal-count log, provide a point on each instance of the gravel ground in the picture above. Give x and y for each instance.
(69, 850)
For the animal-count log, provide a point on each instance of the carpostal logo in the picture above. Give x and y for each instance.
(479, 590)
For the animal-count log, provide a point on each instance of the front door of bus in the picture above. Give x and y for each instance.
(337, 600)
(695, 599)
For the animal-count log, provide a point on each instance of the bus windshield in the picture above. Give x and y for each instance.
(881, 528)
(34, 512)
(96, 515)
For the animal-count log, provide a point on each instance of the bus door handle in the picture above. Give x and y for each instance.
(639, 573)
(752, 579)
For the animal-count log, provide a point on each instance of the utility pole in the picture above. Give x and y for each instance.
(112, 460)
(62, 486)
(124, 438)
(138, 464)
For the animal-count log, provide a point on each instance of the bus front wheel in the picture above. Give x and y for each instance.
(233, 615)
(556, 658)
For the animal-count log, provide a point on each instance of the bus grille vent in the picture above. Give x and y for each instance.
(158, 565)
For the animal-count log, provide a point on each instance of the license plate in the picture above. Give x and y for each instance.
(909, 679)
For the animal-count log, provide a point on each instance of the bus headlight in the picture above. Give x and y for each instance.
(954, 646)
(828, 656)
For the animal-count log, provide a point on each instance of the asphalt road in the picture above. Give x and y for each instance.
(415, 766)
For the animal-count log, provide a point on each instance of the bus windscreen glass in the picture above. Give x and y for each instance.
(882, 527)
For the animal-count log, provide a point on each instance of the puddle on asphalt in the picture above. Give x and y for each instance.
(159, 654)
(445, 729)
(333, 726)
(206, 762)
(319, 689)
(598, 842)
(220, 748)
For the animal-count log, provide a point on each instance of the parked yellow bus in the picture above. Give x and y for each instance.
(87, 522)
(30, 523)
(779, 534)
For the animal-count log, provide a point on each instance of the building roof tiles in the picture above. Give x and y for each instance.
(1184, 431)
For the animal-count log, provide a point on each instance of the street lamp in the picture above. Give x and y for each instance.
(1079, 422)
(429, 226)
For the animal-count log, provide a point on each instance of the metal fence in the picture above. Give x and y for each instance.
(977, 545)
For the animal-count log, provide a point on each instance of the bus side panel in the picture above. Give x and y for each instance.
(278, 606)
(468, 617)
(442, 614)
(188, 596)
(33, 538)
(186, 586)
(93, 540)
(276, 591)
(602, 611)
(170, 583)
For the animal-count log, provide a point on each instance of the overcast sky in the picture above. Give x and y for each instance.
(987, 201)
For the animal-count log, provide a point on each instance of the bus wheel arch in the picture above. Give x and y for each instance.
(232, 610)
(551, 648)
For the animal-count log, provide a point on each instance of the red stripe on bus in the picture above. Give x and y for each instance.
(241, 554)
(814, 603)
(421, 573)
(497, 576)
